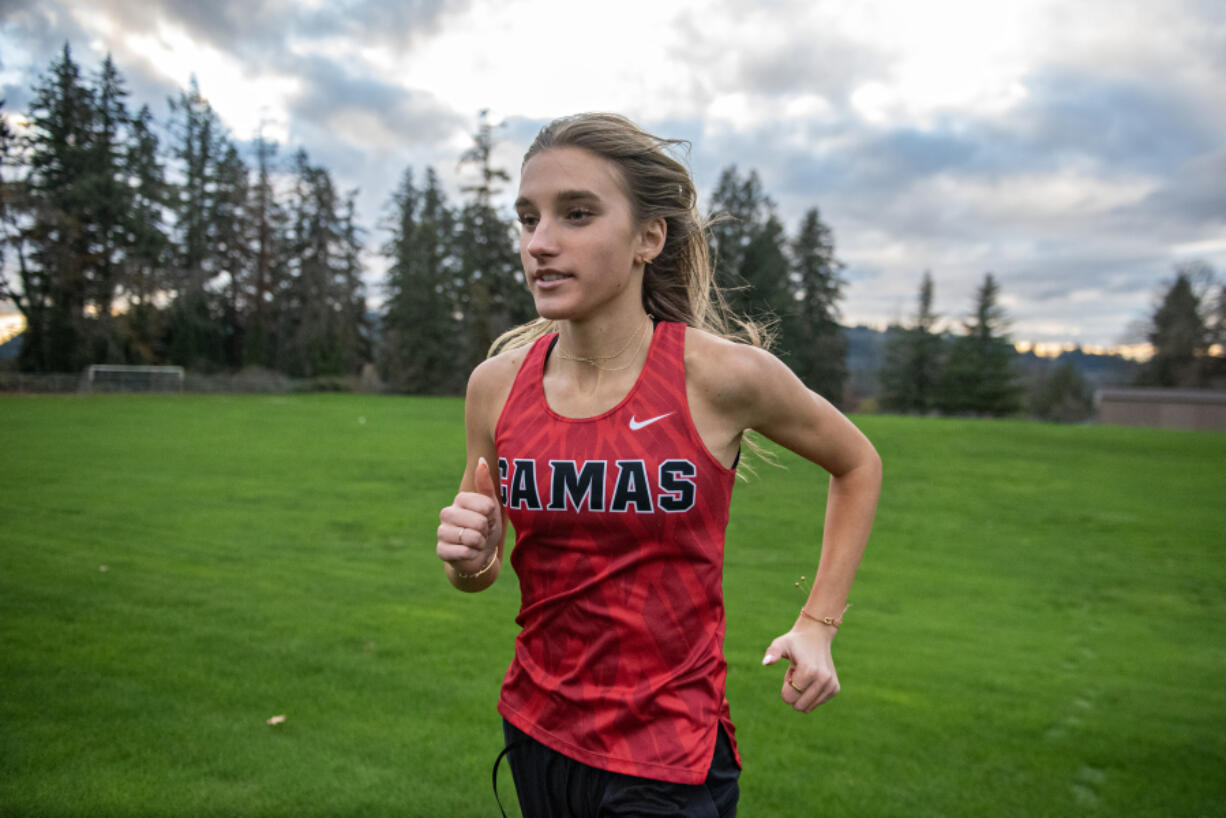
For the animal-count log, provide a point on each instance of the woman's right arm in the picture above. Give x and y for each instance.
(472, 529)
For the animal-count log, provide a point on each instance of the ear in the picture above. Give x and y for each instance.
(651, 239)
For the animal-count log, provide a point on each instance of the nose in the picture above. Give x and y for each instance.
(541, 242)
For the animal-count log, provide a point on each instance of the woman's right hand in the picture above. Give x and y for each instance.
(470, 529)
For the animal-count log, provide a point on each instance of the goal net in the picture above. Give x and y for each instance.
(117, 378)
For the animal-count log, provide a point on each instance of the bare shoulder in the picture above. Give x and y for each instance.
(490, 384)
(494, 373)
(728, 374)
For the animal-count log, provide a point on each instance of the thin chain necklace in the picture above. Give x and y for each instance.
(594, 360)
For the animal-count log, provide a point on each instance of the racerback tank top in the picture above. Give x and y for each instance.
(619, 540)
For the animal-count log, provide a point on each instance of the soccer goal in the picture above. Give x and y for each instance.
(118, 378)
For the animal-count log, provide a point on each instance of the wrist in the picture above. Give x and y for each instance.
(476, 568)
(829, 621)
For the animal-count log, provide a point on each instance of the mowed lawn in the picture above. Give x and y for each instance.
(1037, 628)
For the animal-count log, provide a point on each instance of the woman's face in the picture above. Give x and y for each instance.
(578, 239)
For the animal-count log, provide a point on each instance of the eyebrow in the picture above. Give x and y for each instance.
(565, 197)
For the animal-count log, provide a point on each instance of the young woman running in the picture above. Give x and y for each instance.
(608, 432)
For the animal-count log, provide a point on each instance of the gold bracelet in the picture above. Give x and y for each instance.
(825, 620)
(488, 566)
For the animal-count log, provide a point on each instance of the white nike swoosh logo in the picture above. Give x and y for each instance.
(635, 425)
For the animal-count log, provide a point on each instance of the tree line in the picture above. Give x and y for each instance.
(128, 240)
(129, 247)
(131, 241)
(973, 371)
(454, 282)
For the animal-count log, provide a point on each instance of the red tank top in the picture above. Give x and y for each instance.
(619, 543)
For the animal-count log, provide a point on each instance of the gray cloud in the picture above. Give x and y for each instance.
(331, 93)
(1076, 196)
(1194, 197)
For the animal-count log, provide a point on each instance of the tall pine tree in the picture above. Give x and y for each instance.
(147, 245)
(911, 372)
(420, 322)
(268, 275)
(748, 247)
(110, 199)
(812, 336)
(493, 295)
(1179, 333)
(196, 339)
(322, 330)
(979, 376)
(230, 230)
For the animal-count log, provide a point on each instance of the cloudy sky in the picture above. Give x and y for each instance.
(1077, 150)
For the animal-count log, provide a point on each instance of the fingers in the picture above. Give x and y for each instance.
(470, 522)
(463, 534)
(778, 650)
(455, 537)
(483, 481)
(805, 692)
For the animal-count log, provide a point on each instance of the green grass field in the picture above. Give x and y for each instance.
(1037, 629)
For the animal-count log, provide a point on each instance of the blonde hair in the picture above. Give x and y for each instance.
(679, 284)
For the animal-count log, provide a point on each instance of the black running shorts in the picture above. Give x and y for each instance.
(550, 785)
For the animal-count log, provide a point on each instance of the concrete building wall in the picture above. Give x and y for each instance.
(1162, 408)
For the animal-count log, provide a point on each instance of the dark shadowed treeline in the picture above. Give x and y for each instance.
(132, 241)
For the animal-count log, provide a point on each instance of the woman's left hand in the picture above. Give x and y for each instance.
(811, 679)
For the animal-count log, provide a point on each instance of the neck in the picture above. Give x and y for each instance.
(600, 337)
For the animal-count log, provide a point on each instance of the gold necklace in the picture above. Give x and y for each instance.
(594, 359)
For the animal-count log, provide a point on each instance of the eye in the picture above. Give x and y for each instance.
(527, 220)
(579, 214)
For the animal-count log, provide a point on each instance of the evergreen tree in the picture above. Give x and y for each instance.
(55, 228)
(321, 332)
(979, 376)
(195, 337)
(911, 372)
(811, 333)
(419, 321)
(353, 334)
(230, 231)
(1179, 332)
(146, 244)
(269, 275)
(493, 295)
(110, 200)
(747, 246)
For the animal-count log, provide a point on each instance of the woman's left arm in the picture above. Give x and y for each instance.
(770, 399)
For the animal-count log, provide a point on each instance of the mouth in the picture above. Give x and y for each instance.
(547, 276)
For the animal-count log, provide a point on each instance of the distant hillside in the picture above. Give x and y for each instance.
(1099, 370)
(866, 351)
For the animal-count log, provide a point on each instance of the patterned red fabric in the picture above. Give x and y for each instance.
(619, 544)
